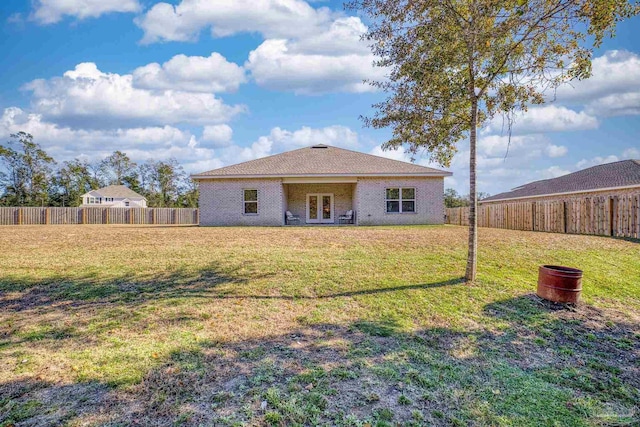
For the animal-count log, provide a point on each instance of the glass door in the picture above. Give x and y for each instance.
(320, 208)
(312, 208)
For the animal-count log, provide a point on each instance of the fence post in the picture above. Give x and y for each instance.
(175, 216)
(153, 216)
(47, 214)
(19, 216)
(84, 215)
(106, 215)
(610, 216)
(197, 216)
(130, 216)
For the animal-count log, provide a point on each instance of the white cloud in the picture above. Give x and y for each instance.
(192, 74)
(219, 135)
(612, 90)
(237, 154)
(598, 160)
(497, 170)
(518, 145)
(65, 143)
(341, 38)
(619, 104)
(306, 51)
(339, 136)
(553, 150)
(333, 60)
(52, 11)
(549, 118)
(390, 154)
(616, 71)
(631, 153)
(275, 65)
(554, 172)
(280, 140)
(271, 18)
(89, 98)
(143, 143)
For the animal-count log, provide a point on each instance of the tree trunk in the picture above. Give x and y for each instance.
(470, 274)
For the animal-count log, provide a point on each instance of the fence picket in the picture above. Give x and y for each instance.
(101, 215)
(597, 215)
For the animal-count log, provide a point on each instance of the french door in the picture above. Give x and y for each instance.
(320, 208)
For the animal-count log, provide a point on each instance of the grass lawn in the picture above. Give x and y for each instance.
(345, 326)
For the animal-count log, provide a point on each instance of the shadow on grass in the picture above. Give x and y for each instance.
(542, 365)
(91, 290)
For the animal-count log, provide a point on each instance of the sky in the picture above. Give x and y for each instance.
(213, 83)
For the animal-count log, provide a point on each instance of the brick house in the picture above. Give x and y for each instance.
(610, 179)
(321, 184)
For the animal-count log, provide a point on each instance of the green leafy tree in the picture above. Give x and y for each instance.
(453, 64)
(165, 182)
(190, 194)
(117, 169)
(454, 200)
(26, 178)
(72, 180)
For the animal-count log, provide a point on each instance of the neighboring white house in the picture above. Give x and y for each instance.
(114, 196)
(322, 185)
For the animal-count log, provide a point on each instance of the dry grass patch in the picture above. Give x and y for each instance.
(122, 325)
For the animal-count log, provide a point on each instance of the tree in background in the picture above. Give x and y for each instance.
(454, 64)
(117, 169)
(71, 181)
(189, 196)
(27, 173)
(165, 184)
(28, 178)
(454, 200)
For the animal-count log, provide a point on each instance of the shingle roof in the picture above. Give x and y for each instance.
(320, 160)
(116, 191)
(610, 175)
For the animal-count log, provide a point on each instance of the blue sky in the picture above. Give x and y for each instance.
(215, 83)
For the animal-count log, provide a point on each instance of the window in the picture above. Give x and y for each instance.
(126, 203)
(250, 200)
(92, 201)
(401, 200)
(108, 199)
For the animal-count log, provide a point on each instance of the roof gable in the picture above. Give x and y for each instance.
(320, 160)
(624, 173)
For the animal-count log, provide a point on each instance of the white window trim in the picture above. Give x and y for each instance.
(400, 200)
(244, 201)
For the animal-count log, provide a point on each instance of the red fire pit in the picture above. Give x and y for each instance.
(559, 284)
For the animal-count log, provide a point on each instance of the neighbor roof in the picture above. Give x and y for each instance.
(115, 191)
(320, 160)
(625, 173)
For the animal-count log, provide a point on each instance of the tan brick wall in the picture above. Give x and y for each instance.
(371, 208)
(221, 202)
(568, 196)
(296, 196)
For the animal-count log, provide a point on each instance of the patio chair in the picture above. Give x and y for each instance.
(291, 218)
(347, 218)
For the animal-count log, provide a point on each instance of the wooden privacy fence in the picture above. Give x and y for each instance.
(617, 216)
(98, 215)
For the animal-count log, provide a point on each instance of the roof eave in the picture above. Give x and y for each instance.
(332, 175)
(592, 190)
